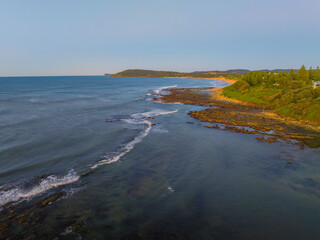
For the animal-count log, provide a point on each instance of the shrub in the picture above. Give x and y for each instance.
(241, 86)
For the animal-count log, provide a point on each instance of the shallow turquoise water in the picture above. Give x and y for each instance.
(130, 168)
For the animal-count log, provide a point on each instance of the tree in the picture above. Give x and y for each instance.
(292, 75)
(283, 82)
(303, 75)
(317, 92)
(271, 79)
(316, 75)
(241, 85)
(311, 74)
(297, 84)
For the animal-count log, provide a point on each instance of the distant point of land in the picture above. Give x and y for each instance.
(197, 74)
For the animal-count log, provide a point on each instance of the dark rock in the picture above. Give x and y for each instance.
(51, 199)
(31, 237)
(3, 226)
(109, 227)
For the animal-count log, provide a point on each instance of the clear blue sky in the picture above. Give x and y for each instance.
(77, 37)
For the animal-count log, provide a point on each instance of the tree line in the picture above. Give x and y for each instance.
(290, 93)
(287, 80)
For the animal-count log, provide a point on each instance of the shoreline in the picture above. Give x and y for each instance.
(217, 91)
(241, 117)
(267, 112)
(223, 79)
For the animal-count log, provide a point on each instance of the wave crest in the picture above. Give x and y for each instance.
(158, 90)
(137, 118)
(27, 189)
(31, 189)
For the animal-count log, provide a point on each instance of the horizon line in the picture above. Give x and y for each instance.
(85, 75)
(77, 75)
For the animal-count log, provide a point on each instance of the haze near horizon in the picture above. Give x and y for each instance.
(95, 37)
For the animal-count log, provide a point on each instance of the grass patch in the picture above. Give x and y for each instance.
(298, 105)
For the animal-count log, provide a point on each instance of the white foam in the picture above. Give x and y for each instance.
(159, 101)
(128, 147)
(218, 83)
(19, 193)
(158, 129)
(138, 118)
(158, 90)
(154, 113)
(170, 189)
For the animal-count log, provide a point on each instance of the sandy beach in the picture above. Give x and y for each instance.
(230, 81)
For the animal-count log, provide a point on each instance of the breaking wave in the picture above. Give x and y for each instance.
(138, 118)
(30, 188)
(158, 90)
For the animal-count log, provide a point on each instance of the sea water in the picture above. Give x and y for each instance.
(132, 168)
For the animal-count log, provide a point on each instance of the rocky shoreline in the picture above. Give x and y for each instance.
(236, 116)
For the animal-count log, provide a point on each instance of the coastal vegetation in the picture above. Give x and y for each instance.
(232, 74)
(237, 116)
(236, 74)
(290, 94)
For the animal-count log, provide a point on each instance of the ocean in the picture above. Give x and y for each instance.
(92, 157)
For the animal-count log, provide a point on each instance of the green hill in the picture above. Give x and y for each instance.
(161, 74)
(145, 73)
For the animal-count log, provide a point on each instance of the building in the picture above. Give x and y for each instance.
(316, 84)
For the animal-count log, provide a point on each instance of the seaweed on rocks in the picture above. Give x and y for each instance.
(239, 117)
